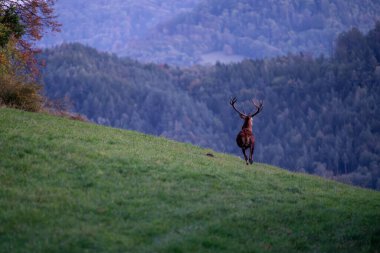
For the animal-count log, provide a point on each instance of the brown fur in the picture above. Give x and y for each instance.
(245, 139)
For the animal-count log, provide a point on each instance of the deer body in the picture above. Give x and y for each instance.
(245, 138)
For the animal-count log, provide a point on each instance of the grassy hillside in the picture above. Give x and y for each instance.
(69, 186)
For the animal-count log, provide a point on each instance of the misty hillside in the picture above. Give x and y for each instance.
(111, 25)
(230, 30)
(202, 31)
(320, 114)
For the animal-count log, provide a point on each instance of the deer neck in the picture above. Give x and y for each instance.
(247, 124)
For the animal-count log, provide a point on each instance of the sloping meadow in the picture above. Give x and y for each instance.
(70, 186)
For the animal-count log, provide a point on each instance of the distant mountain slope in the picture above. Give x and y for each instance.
(256, 29)
(111, 25)
(201, 31)
(69, 186)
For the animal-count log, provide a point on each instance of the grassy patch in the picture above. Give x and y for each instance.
(69, 186)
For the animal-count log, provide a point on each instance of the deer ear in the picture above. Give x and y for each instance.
(242, 116)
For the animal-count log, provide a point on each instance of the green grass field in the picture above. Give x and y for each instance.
(70, 186)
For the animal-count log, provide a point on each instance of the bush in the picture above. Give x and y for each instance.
(14, 93)
(18, 87)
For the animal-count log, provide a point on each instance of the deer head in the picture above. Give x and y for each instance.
(258, 105)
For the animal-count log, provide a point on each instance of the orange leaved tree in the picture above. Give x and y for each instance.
(22, 23)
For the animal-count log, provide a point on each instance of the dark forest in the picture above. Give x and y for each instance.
(320, 114)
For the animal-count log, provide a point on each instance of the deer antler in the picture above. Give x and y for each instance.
(232, 102)
(259, 107)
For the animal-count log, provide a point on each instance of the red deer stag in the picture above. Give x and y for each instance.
(245, 138)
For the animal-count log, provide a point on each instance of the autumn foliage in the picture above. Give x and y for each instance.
(22, 23)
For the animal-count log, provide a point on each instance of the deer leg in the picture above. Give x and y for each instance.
(245, 156)
(252, 149)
